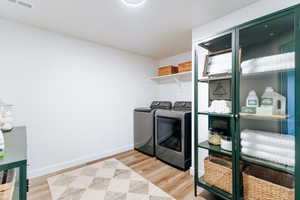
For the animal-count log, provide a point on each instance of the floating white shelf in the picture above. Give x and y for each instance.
(178, 78)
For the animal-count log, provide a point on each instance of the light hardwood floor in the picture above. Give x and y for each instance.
(175, 182)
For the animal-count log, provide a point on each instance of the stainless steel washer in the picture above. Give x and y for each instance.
(144, 139)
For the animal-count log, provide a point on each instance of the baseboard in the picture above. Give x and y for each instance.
(64, 165)
(192, 171)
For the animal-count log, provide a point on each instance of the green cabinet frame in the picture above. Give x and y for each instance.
(16, 157)
(235, 118)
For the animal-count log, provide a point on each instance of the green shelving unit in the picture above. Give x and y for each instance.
(255, 42)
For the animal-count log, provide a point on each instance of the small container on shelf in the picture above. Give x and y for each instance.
(226, 143)
(248, 110)
(214, 137)
(252, 100)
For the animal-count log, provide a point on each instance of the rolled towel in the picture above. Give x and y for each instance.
(268, 138)
(285, 152)
(269, 63)
(268, 156)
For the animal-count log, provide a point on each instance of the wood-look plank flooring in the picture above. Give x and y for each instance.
(173, 181)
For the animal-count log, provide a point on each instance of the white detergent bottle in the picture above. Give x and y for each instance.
(276, 101)
(252, 99)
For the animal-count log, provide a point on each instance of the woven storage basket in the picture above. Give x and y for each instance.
(167, 70)
(218, 173)
(185, 67)
(266, 184)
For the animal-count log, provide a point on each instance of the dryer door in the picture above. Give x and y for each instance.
(169, 133)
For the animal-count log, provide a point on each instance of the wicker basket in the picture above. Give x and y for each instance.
(167, 70)
(218, 173)
(185, 67)
(266, 184)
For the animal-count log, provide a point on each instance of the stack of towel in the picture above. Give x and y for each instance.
(221, 63)
(270, 146)
(269, 63)
(220, 106)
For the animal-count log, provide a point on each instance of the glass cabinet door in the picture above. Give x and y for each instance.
(215, 122)
(266, 95)
(9, 184)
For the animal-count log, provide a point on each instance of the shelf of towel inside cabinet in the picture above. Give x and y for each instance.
(263, 117)
(214, 148)
(216, 114)
(268, 164)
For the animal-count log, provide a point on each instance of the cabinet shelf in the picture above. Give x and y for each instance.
(269, 164)
(266, 73)
(215, 114)
(214, 148)
(213, 190)
(263, 117)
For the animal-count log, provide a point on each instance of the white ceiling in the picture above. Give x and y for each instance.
(158, 29)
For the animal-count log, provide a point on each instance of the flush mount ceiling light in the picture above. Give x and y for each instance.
(134, 3)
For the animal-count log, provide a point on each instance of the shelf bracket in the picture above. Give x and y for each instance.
(178, 82)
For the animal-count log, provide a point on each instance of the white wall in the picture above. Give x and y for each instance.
(76, 98)
(246, 14)
(169, 90)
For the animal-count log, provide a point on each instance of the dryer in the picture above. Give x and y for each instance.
(173, 143)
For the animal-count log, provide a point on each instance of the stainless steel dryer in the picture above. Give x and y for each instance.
(173, 135)
(144, 139)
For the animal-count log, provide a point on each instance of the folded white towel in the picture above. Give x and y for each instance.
(220, 106)
(269, 156)
(220, 63)
(285, 152)
(268, 138)
(269, 63)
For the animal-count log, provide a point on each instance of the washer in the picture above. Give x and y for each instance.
(144, 139)
(173, 135)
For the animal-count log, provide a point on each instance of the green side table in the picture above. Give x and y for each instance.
(16, 157)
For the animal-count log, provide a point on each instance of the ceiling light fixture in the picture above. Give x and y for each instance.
(134, 3)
